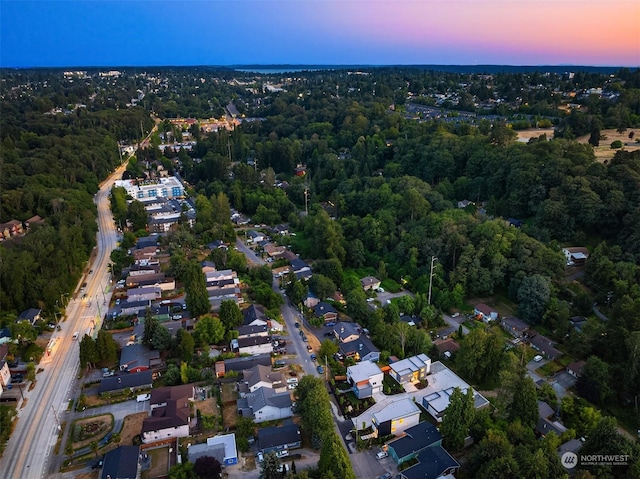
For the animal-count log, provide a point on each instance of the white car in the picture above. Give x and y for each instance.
(538, 358)
(260, 457)
(143, 397)
(381, 455)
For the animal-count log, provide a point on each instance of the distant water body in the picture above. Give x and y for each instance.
(274, 71)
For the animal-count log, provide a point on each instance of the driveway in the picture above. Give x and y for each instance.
(456, 322)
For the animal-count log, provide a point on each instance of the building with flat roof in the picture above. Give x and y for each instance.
(411, 369)
(169, 187)
(365, 379)
(396, 417)
(222, 447)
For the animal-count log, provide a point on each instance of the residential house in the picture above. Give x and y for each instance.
(346, 332)
(252, 331)
(123, 462)
(396, 417)
(5, 375)
(274, 251)
(361, 349)
(411, 370)
(576, 368)
(414, 440)
(365, 379)
(222, 447)
(433, 463)
(445, 332)
(246, 362)
(254, 316)
(326, 311)
(446, 347)
(133, 382)
(151, 293)
(145, 256)
(10, 229)
(260, 376)
(32, 315)
(543, 345)
(485, 313)
(253, 345)
(572, 445)
(280, 438)
(289, 256)
(442, 383)
(146, 241)
(265, 405)
(134, 307)
(254, 237)
(411, 320)
(514, 326)
(370, 283)
(546, 424)
(281, 229)
(33, 221)
(311, 300)
(575, 256)
(464, 203)
(281, 271)
(220, 369)
(217, 244)
(136, 357)
(170, 413)
(301, 269)
(578, 322)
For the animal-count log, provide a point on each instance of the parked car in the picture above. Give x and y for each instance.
(330, 324)
(97, 464)
(177, 316)
(143, 397)
(381, 455)
(260, 457)
(328, 333)
(107, 373)
(283, 453)
(313, 357)
(320, 369)
(297, 325)
(309, 348)
(538, 358)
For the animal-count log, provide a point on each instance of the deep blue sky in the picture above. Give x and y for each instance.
(227, 32)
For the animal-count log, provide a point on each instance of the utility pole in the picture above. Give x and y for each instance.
(306, 200)
(433, 260)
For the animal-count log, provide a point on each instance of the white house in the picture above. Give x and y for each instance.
(170, 413)
(150, 293)
(253, 345)
(365, 379)
(265, 405)
(222, 447)
(396, 417)
(260, 376)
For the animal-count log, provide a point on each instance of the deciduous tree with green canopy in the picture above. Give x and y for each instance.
(209, 330)
(230, 314)
(457, 419)
(196, 289)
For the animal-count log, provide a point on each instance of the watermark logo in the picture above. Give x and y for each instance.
(569, 460)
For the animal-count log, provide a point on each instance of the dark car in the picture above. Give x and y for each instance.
(329, 334)
(297, 325)
(97, 464)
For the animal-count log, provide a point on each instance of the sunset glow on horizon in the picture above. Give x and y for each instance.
(514, 32)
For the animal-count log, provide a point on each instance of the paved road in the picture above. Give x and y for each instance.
(28, 451)
(456, 322)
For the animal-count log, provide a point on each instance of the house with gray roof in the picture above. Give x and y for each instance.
(252, 345)
(514, 326)
(265, 405)
(246, 362)
(325, 311)
(31, 315)
(411, 370)
(365, 379)
(362, 349)
(252, 331)
(396, 417)
(261, 376)
(543, 345)
(222, 447)
(346, 332)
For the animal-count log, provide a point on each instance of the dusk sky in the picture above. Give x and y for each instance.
(365, 32)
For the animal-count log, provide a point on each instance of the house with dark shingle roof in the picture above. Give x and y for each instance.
(32, 315)
(133, 381)
(261, 376)
(544, 345)
(121, 463)
(414, 440)
(279, 438)
(514, 326)
(370, 282)
(170, 413)
(433, 463)
(326, 311)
